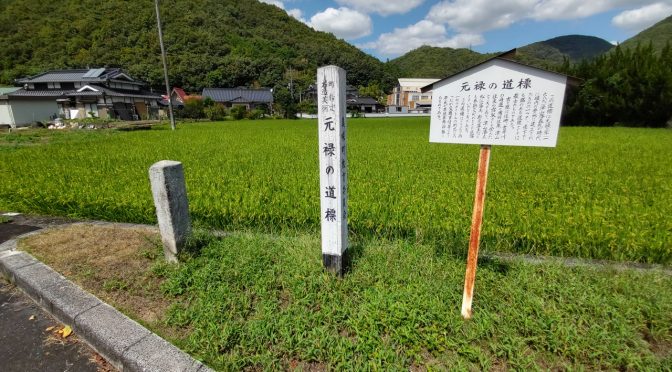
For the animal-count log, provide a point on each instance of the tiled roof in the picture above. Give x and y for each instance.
(86, 93)
(362, 101)
(239, 95)
(115, 93)
(39, 93)
(65, 76)
(6, 90)
(180, 93)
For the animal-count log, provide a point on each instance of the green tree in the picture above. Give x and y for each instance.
(215, 112)
(626, 87)
(374, 91)
(285, 103)
(193, 108)
(238, 112)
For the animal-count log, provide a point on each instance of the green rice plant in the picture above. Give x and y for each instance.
(602, 193)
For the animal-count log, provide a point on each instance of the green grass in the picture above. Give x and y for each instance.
(602, 193)
(251, 301)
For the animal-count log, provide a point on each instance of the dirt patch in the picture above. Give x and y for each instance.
(113, 263)
(659, 347)
(298, 365)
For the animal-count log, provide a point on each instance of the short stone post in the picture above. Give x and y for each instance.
(172, 206)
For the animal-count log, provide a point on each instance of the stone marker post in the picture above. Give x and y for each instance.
(172, 206)
(333, 167)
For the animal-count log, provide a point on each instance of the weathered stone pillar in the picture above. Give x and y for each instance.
(333, 168)
(172, 206)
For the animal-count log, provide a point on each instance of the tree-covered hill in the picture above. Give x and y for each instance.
(434, 62)
(575, 48)
(658, 35)
(224, 43)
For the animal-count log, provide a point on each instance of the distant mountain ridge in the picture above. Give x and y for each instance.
(435, 62)
(659, 35)
(576, 48)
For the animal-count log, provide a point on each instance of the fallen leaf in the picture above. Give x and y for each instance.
(67, 331)
(50, 328)
(32, 317)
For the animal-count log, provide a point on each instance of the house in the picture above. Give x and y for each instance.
(311, 92)
(363, 104)
(407, 98)
(179, 97)
(75, 94)
(353, 100)
(250, 98)
(24, 110)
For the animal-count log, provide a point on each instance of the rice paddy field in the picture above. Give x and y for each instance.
(603, 193)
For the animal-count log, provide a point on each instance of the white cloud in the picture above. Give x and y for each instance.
(476, 16)
(479, 15)
(571, 9)
(298, 14)
(382, 7)
(277, 3)
(641, 18)
(343, 22)
(425, 32)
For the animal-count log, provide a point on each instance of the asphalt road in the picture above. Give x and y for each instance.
(28, 336)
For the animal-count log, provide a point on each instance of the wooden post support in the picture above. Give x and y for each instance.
(475, 237)
(333, 167)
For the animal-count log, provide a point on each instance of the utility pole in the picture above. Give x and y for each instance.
(291, 82)
(165, 66)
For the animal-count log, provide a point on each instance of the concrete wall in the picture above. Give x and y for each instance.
(6, 113)
(29, 111)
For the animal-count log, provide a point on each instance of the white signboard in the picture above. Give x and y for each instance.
(498, 103)
(333, 164)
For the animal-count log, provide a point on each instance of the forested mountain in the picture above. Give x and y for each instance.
(229, 43)
(658, 35)
(434, 62)
(575, 48)
(224, 43)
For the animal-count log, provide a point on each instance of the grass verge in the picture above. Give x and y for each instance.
(113, 263)
(255, 301)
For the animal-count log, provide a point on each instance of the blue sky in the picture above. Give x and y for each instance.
(390, 28)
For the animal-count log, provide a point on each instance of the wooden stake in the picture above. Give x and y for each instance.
(476, 222)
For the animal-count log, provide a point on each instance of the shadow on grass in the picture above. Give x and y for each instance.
(451, 243)
(199, 239)
(353, 254)
(494, 265)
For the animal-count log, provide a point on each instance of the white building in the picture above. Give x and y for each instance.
(23, 112)
(407, 98)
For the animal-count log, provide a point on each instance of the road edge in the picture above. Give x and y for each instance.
(123, 342)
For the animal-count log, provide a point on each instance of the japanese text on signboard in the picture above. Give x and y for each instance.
(500, 107)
